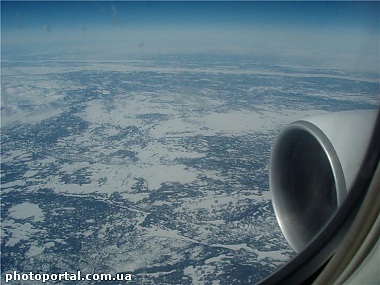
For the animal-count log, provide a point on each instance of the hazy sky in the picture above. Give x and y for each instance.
(326, 34)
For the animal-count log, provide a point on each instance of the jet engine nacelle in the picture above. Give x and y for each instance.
(313, 165)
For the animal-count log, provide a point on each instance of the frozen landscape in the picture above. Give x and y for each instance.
(152, 163)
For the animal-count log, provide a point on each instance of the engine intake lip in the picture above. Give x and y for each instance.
(307, 182)
(359, 158)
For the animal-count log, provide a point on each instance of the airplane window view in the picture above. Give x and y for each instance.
(136, 136)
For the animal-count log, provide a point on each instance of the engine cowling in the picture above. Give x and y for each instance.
(313, 165)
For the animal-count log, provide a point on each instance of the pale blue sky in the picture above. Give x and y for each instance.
(340, 34)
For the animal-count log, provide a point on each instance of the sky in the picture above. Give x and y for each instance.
(326, 34)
